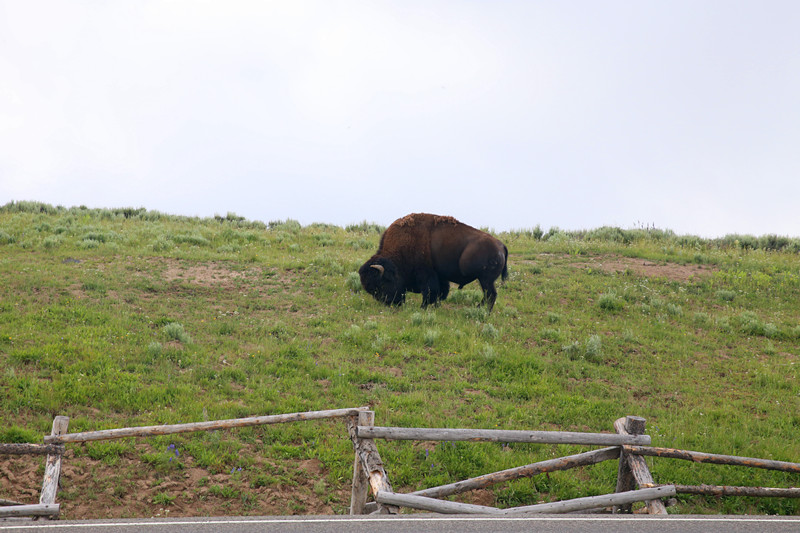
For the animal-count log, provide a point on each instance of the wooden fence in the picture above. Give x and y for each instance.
(629, 445)
(53, 447)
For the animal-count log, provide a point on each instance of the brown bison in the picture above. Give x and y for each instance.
(423, 253)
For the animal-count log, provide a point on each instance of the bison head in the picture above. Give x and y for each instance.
(380, 278)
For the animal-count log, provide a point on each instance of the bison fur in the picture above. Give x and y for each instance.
(424, 253)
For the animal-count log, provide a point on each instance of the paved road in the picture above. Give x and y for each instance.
(419, 523)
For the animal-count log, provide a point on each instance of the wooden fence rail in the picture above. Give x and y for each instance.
(568, 506)
(542, 467)
(759, 492)
(15, 511)
(595, 502)
(500, 435)
(700, 457)
(31, 449)
(151, 431)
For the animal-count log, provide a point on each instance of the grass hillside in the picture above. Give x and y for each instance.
(128, 317)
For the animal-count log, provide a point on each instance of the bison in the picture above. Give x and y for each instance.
(423, 253)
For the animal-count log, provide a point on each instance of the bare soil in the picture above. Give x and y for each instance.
(128, 489)
(646, 268)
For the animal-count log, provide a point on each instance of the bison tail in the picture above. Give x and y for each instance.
(504, 275)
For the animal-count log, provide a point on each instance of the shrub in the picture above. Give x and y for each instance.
(29, 207)
(465, 297)
(195, 239)
(328, 264)
(161, 244)
(88, 244)
(552, 334)
(490, 331)
(175, 331)
(487, 352)
(674, 309)
(52, 241)
(591, 351)
(702, 319)
(5, 238)
(611, 234)
(155, 349)
(100, 236)
(365, 227)
(774, 243)
(430, 337)
(289, 225)
(324, 239)
(476, 313)
(594, 348)
(572, 350)
(379, 343)
(353, 282)
(726, 295)
(420, 317)
(610, 302)
(361, 244)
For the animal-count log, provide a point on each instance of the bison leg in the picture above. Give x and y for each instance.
(489, 293)
(430, 293)
(444, 289)
(434, 290)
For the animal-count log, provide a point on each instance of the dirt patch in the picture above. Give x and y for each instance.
(206, 274)
(114, 492)
(643, 267)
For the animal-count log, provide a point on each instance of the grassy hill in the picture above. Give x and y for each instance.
(132, 317)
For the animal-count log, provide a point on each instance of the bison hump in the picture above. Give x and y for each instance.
(422, 218)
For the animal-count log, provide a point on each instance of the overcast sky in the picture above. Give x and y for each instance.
(684, 115)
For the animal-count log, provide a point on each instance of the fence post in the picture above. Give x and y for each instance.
(358, 497)
(52, 466)
(633, 467)
(625, 481)
(371, 462)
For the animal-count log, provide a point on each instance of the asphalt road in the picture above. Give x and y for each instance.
(420, 523)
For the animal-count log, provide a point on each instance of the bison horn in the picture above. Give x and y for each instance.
(379, 268)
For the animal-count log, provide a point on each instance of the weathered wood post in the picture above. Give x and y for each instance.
(52, 466)
(358, 497)
(371, 463)
(633, 468)
(625, 481)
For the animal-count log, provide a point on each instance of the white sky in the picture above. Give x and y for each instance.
(506, 114)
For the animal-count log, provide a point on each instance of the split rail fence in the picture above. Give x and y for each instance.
(628, 445)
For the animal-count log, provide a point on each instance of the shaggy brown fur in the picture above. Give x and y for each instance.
(423, 253)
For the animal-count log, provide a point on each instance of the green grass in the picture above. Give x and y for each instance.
(128, 317)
